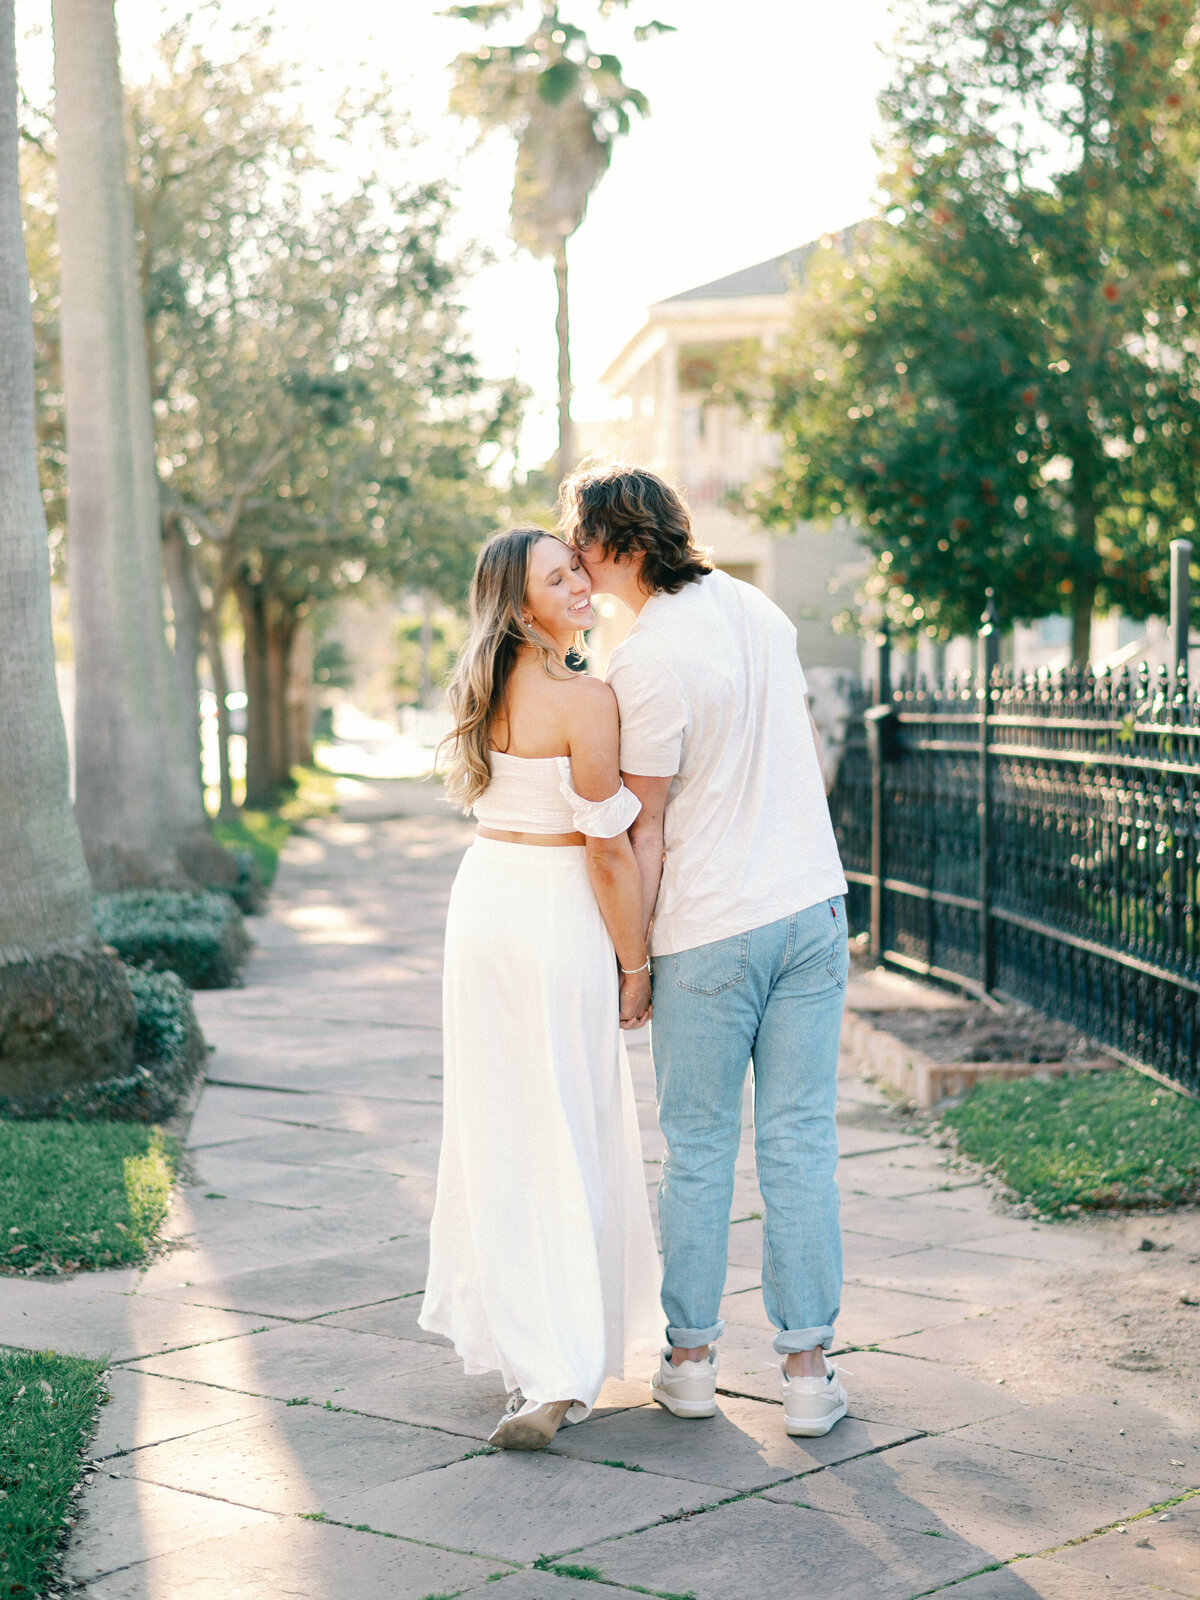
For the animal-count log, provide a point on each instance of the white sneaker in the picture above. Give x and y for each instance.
(688, 1389)
(811, 1406)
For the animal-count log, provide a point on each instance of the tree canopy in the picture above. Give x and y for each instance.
(999, 377)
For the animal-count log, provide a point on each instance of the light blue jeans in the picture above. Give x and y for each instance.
(772, 996)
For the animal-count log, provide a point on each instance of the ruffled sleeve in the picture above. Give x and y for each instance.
(601, 819)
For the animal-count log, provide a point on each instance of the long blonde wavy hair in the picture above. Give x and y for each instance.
(478, 691)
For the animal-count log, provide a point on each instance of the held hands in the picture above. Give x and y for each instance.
(635, 999)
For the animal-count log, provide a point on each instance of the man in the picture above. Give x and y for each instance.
(743, 882)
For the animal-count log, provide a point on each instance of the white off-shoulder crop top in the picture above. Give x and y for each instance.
(534, 794)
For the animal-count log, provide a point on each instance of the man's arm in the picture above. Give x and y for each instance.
(647, 836)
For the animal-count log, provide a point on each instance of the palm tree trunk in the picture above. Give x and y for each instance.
(123, 798)
(66, 1013)
(566, 429)
(189, 626)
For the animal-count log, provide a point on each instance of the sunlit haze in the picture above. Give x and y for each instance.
(763, 117)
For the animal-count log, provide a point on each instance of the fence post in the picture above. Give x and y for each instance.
(988, 660)
(1181, 555)
(876, 719)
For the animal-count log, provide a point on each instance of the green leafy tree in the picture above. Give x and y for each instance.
(1000, 378)
(565, 105)
(318, 416)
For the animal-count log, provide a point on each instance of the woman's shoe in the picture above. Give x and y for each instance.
(526, 1425)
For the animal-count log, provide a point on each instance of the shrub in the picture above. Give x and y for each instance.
(169, 1054)
(198, 934)
(47, 1412)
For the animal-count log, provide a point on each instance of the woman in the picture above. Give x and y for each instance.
(542, 1258)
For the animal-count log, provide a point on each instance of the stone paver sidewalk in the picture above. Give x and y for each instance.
(280, 1426)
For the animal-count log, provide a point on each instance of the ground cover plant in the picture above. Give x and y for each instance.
(47, 1408)
(197, 933)
(1098, 1141)
(81, 1194)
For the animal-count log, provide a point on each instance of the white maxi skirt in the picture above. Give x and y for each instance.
(542, 1257)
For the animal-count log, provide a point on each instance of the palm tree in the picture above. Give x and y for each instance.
(66, 1013)
(139, 801)
(565, 105)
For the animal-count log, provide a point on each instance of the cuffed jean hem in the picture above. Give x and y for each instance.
(693, 1338)
(789, 1340)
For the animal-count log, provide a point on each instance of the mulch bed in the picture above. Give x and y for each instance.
(981, 1033)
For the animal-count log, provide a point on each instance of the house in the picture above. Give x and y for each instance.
(670, 409)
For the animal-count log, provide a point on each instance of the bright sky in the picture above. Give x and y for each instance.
(763, 117)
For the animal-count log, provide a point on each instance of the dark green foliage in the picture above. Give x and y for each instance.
(199, 935)
(79, 1195)
(169, 1053)
(999, 377)
(1099, 1141)
(47, 1410)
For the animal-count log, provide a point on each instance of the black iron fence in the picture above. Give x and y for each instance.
(1037, 839)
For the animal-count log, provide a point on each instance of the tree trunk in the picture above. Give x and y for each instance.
(261, 789)
(66, 1012)
(280, 632)
(204, 860)
(226, 811)
(123, 798)
(189, 628)
(566, 429)
(1083, 594)
(300, 695)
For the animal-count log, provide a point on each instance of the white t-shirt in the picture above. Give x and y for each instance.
(711, 694)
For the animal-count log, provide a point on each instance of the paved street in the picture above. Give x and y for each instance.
(279, 1425)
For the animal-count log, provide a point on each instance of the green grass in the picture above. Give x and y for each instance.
(1099, 1141)
(81, 1194)
(564, 1569)
(47, 1406)
(262, 833)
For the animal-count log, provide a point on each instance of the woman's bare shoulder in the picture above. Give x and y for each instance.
(589, 709)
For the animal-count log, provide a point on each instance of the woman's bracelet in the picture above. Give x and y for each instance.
(631, 972)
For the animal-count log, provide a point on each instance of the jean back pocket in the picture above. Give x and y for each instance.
(710, 968)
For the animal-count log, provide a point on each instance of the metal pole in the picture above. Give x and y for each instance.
(988, 660)
(877, 739)
(1181, 555)
(882, 687)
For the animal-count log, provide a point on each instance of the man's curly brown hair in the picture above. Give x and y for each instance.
(628, 511)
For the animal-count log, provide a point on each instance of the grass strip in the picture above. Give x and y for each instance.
(79, 1195)
(262, 833)
(47, 1407)
(1100, 1141)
